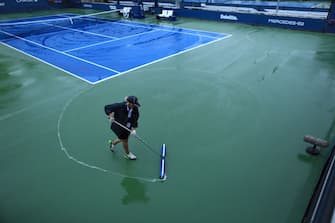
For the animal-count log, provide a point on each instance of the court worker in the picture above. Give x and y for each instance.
(124, 121)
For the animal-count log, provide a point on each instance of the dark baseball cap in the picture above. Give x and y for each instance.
(133, 100)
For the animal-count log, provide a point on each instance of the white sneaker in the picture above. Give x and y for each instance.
(131, 156)
(111, 145)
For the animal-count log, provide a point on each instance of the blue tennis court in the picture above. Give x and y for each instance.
(95, 49)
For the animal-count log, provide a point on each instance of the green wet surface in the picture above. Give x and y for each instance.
(232, 114)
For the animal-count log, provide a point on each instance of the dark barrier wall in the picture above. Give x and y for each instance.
(22, 5)
(7, 6)
(322, 204)
(136, 10)
(317, 25)
(98, 6)
(330, 27)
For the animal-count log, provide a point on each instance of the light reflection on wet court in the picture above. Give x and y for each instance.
(232, 113)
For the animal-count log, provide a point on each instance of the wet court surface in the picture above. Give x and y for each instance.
(232, 113)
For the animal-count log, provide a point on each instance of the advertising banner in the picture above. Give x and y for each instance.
(22, 5)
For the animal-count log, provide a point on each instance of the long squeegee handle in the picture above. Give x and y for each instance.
(139, 138)
(122, 126)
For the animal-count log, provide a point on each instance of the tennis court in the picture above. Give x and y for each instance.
(93, 43)
(231, 111)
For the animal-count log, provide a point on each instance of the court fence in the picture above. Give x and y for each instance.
(310, 16)
(306, 16)
(322, 204)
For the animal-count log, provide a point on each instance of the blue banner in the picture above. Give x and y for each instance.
(22, 5)
(309, 24)
(331, 19)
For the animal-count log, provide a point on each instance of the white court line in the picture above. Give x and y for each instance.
(83, 163)
(172, 31)
(52, 65)
(82, 31)
(118, 72)
(60, 52)
(145, 25)
(90, 45)
(156, 61)
(45, 101)
(96, 44)
(174, 27)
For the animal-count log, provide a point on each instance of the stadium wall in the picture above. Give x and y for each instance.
(9, 6)
(297, 23)
(310, 24)
(330, 26)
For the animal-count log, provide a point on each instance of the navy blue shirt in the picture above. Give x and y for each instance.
(121, 114)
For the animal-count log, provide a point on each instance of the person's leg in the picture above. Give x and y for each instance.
(119, 132)
(125, 145)
(122, 137)
(129, 155)
(116, 141)
(112, 143)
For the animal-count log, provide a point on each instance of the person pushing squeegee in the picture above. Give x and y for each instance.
(124, 121)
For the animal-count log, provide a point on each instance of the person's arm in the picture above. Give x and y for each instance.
(135, 122)
(111, 116)
(111, 109)
(135, 118)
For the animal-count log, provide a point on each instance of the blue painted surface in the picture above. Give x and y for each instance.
(82, 69)
(131, 52)
(95, 49)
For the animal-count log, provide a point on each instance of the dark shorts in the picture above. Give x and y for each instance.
(119, 131)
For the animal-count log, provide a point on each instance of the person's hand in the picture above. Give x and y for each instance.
(111, 118)
(133, 132)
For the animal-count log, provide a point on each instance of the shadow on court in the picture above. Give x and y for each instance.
(136, 191)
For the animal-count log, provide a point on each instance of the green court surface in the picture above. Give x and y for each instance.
(232, 115)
